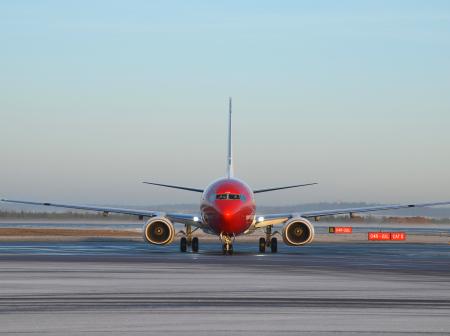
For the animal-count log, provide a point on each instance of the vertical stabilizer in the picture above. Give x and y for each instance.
(230, 155)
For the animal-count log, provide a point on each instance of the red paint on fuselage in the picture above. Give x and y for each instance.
(228, 216)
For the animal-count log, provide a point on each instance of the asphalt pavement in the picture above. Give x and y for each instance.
(120, 287)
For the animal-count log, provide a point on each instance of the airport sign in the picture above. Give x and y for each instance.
(383, 236)
(340, 229)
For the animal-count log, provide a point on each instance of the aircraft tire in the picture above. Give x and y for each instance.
(183, 244)
(274, 245)
(230, 250)
(262, 245)
(227, 249)
(194, 245)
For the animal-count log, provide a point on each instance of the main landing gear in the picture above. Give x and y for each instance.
(227, 247)
(268, 241)
(189, 241)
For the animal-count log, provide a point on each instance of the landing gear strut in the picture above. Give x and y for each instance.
(227, 247)
(268, 241)
(189, 241)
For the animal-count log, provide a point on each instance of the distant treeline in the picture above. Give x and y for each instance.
(62, 215)
(386, 219)
(69, 215)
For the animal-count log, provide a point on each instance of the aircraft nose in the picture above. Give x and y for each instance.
(229, 222)
(228, 211)
(232, 219)
(227, 217)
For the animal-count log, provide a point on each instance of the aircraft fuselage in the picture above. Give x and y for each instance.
(228, 207)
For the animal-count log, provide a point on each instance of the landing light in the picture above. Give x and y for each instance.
(196, 219)
(261, 219)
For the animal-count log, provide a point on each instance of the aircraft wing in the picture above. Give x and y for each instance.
(274, 219)
(193, 220)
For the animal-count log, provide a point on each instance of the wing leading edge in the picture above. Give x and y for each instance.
(257, 191)
(273, 219)
(179, 218)
(175, 187)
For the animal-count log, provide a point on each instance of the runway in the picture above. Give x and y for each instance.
(119, 287)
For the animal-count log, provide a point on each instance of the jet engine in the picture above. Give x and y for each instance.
(159, 231)
(298, 231)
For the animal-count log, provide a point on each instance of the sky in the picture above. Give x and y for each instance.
(97, 96)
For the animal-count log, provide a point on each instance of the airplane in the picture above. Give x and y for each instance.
(228, 210)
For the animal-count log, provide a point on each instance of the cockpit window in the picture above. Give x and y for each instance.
(228, 196)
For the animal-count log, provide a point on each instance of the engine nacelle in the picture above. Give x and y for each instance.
(159, 231)
(298, 231)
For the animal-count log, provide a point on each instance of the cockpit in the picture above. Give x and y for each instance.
(228, 196)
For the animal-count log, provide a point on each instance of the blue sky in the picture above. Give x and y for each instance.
(97, 96)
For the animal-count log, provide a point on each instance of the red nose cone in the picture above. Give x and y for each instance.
(234, 221)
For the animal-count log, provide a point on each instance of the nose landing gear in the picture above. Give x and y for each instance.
(227, 247)
(268, 241)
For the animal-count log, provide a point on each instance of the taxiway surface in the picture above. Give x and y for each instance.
(125, 287)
